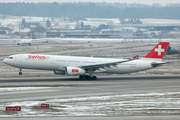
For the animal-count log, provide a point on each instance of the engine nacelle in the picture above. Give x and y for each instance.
(74, 71)
(59, 72)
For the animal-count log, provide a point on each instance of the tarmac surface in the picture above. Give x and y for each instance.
(69, 87)
(100, 118)
(63, 87)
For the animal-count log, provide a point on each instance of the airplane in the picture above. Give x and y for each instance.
(25, 41)
(86, 66)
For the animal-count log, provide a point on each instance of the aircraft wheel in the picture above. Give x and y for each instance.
(81, 77)
(29, 44)
(86, 77)
(94, 77)
(20, 73)
(89, 77)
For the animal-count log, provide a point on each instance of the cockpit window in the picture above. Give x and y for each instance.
(9, 57)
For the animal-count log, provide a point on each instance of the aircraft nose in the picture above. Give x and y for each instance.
(4, 60)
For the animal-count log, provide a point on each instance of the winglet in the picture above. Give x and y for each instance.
(158, 51)
(136, 57)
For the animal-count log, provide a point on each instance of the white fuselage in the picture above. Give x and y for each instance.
(25, 41)
(58, 63)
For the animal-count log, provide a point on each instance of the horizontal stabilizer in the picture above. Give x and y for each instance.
(154, 64)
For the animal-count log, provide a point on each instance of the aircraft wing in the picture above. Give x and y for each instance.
(102, 65)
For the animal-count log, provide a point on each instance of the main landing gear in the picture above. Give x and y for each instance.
(87, 77)
(20, 73)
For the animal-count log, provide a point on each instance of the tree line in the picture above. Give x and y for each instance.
(87, 10)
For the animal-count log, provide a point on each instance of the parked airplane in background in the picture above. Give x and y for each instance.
(25, 41)
(86, 66)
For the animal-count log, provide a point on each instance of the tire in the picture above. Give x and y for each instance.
(29, 44)
(94, 77)
(86, 77)
(81, 77)
(20, 73)
(89, 78)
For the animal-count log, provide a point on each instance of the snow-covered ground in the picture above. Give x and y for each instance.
(160, 21)
(8, 89)
(167, 103)
(15, 20)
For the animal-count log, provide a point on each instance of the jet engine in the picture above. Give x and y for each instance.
(74, 71)
(59, 72)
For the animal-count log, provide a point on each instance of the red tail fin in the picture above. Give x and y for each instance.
(31, 36)
(91, 56)
(158, 51)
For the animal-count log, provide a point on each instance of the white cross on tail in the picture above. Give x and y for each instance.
(159, 50)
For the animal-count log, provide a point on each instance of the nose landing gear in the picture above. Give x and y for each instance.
(20, 73)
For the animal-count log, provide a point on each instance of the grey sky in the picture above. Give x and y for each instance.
(162, 2)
